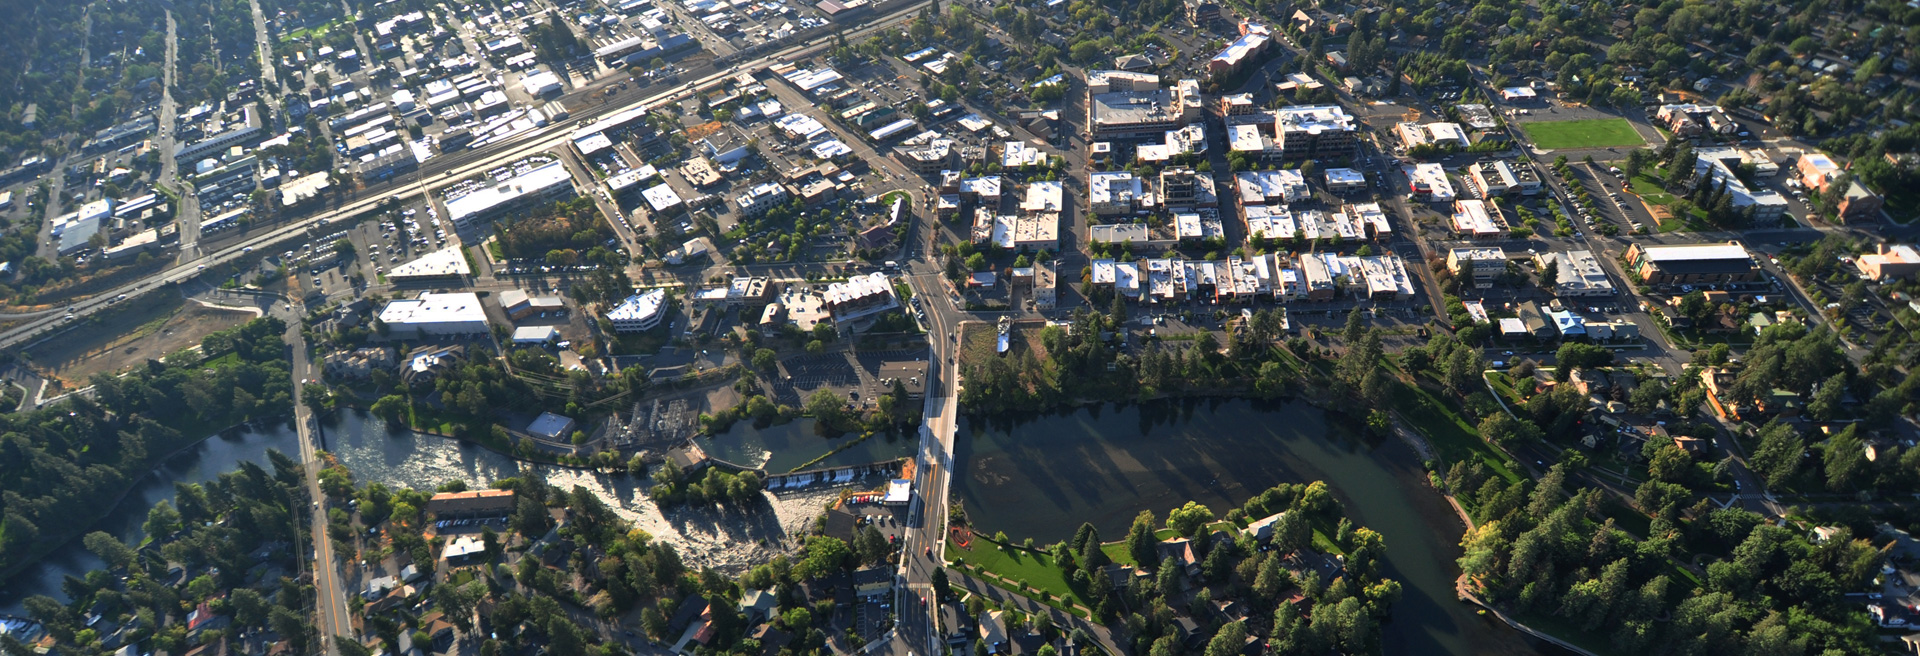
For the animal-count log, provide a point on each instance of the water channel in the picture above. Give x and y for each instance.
(1042, 476)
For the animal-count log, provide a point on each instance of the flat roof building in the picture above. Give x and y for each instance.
(640, 312)
(1429, 182)
(860, 297)
(442, 264)
(1695, 264)
(472, 503)
(545, 183)
(1111, 193)
(1577, 273)
(1889, 262)
(436, 315)
(1478, 219)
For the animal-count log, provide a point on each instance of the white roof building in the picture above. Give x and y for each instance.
(436, 315)
(1430, 181)
(860, 297)
(448, 262)
(1270, 187)
(640, 312)
(545, 182)
(661, 198)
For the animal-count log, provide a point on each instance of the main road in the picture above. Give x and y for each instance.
(448, 167)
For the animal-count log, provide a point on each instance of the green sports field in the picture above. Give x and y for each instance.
(1590, 133)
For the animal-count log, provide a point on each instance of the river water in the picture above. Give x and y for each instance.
(1038, 476)
(1042, 476)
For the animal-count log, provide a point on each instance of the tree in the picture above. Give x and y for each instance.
(1292, 532)
(1778, 458)
(1846, 459)
(1356, 327)
(871, 546)
(765, 360)
(1231, 639)
(110, 549)
(825, 554)
(1188, 520)
(1140, 540)
(162, 520)
(1575, 355)
(391, 408)
(827, 408)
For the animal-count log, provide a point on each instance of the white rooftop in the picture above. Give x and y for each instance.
(438, 264)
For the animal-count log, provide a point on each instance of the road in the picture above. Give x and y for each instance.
(446, 167)
(332, 617)
(923, 549)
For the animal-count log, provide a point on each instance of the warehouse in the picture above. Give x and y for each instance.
(1692, 264)
(436, 315)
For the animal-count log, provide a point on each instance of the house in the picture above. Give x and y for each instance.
(690, 610)
(1262, 529)
(872, 582)
(1181, 551)
(758, 605)
(955, 624)
(993, 632)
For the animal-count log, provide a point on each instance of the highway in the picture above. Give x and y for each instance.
(448, 168)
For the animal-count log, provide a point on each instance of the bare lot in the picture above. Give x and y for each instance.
(150, 326)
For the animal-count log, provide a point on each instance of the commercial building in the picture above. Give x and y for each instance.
(1342, 181)
(1890, 262)
(1370, 218)
(75, 230)
(245, 131)
(444, 264)
(860, 297)
(1577, 273)
(1252, 44)
(1500, 177)
(1414, 135)
(929, 159)
(1184, 188)
(1428, 182)
(303, 189)
(520, 305)
(762, 197)
(1108, 81)
(1482, 264)
(1692, 264)
(1315, 132)
(545, 183)
(551, 426)
(1478, 219)
(470, 504)
(1477, 116)
(436, 315)
(1143, 114)
(1112, 193)
(1715, 166)
(1273, 187)
(640, 312)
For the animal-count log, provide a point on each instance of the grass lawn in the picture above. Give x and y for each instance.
(1452, 436)
(1590, 133)
(1019, 566)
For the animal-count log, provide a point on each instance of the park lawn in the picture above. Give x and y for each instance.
(1588, 133)
(1017, 565)
(1452, 436)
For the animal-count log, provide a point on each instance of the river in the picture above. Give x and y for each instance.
(781, 448)
(1042, 476)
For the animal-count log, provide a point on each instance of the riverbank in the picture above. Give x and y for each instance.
(727, 538)
(36, 557)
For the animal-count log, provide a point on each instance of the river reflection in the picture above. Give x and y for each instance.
(1042, 476)
(782, 447)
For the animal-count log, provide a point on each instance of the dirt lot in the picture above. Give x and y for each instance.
(150, 326)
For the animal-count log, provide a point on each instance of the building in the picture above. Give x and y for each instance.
(75, 230)
(1481, 263)
(1273, 187)
(1694, 264)
(1578, 273)
(1439, 135)
(551, 426)
(761, 198)
(1715, 166)
(1477, 116)
(1501, 177)
(542, 184)
(245, 131)
(474, 503)
(640, 312)
(860, 297)
(1478, 219)
(1694, 120)
(1859, 205)
(435, 315)
(929, 159)
(1112, 193)
(1184, 188)
(1315, 132)
(535, 335)
(1889, 262)
(445, 264)
(1816, 170)
(1519, 95)
(1132, 115)
(1249, 48)
(1370, 218)
(1343, 181)
(1045, 286)
(304, 189)
(1108, 81)
(1428, 182)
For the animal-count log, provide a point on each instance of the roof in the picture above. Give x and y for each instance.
(550, 425)
(534, 334)
(661, 197)
(455, 307)
(446, 262)
(485, 199)
(639, 307)
(1664, 253)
